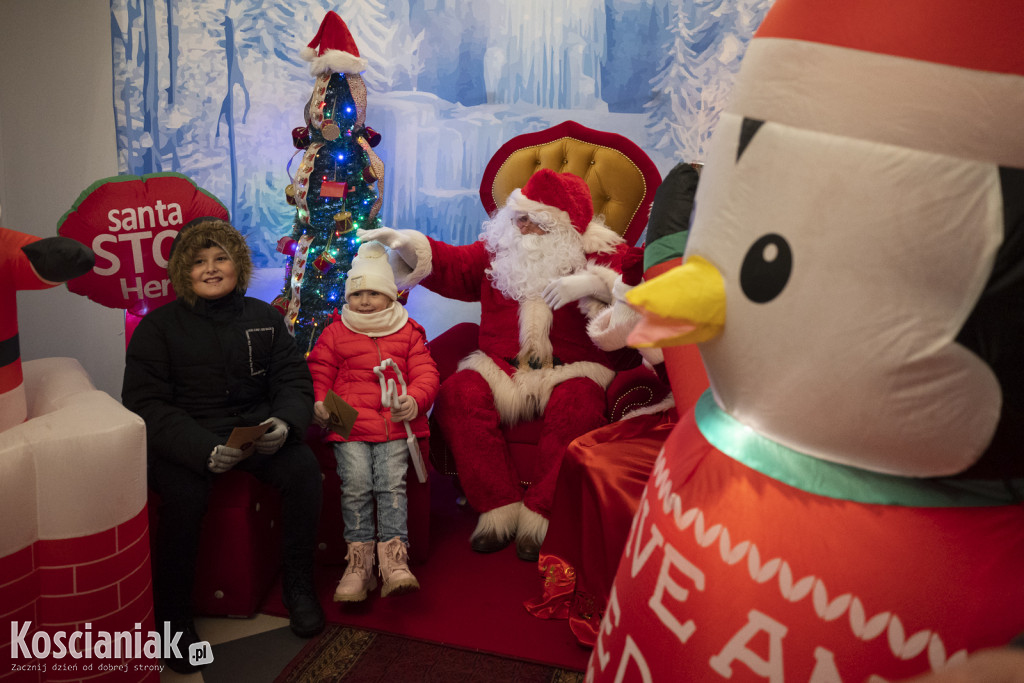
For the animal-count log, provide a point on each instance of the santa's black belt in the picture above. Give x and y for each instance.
(534, 363)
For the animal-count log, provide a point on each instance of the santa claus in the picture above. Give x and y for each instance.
(543, 250)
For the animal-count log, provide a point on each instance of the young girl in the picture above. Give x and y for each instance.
(373, 460)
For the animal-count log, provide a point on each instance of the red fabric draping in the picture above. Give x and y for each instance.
(599, 485)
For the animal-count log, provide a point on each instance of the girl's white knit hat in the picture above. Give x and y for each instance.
(371, 270)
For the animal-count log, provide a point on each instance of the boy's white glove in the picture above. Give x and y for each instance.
(274, 437)
(223, 458)
(406, 410)
(321, 416)
(396, 240)
(571, 288)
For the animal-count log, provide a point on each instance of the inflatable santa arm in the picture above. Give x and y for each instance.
(58, 259)
(28, 262)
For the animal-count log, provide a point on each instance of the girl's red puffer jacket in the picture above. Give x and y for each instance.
(344, 360)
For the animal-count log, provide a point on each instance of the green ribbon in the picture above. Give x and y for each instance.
(843, 482)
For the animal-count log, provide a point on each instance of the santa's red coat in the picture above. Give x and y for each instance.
(469, 410)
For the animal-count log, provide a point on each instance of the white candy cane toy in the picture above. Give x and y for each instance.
(389, 398)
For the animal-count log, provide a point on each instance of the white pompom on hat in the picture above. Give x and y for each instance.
(333, 49)
(371, 270)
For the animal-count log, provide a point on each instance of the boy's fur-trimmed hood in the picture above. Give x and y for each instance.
(200, 234)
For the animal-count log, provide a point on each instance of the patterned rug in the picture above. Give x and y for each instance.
(348, 654)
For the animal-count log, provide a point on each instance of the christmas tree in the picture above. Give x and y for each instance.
(337, 188)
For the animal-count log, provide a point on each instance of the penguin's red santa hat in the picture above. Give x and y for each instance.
(937, 77)
(333, 49)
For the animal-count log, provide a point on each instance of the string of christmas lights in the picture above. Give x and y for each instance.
(336, 191)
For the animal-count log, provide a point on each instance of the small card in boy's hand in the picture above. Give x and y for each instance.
(343, 416)
(244, 438)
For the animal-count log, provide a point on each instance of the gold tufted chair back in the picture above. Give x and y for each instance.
(621, 177)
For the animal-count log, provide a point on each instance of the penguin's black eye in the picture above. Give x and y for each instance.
(766, 268)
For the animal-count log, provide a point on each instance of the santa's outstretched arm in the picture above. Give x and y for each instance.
(454, 272)
(410, 253)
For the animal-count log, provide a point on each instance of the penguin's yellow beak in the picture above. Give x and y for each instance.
(685, 305)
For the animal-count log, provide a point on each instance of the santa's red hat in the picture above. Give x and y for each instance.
(564, 195)
(333, 49)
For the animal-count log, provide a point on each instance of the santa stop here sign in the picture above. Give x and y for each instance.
(130, 222)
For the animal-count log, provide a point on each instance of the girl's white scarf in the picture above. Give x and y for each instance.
(379, 324)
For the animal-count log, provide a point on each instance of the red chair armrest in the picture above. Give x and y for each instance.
(633, 389)
(452, 345)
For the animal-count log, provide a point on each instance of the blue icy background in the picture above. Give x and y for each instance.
(213, 88)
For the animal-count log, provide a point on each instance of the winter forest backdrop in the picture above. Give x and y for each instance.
(213, 88)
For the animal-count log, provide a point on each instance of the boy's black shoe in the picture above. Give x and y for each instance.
(181, 663)
(306, 615)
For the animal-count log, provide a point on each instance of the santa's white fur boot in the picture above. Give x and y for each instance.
(532, 528)
(393, 557)
(358, 578)
(496, 528)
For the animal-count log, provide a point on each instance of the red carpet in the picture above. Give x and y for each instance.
(466, 600)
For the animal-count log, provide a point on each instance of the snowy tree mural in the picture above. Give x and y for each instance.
(207, 88)
(699, 66)
(386, 43)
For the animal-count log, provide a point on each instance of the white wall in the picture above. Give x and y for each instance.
(56, 139)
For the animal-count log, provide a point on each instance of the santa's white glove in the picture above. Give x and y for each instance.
(223, 458)
(571, 288)
(396, 240)
(406, 410)
(274, 437)
(321, 416)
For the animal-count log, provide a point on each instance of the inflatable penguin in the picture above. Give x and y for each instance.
(845, 502)
(28, 262)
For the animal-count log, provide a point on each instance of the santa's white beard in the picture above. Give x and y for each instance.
(523, 265)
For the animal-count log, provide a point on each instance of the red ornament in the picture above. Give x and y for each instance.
(287, 246)
(372, 136)
(342, 222)
(330, 188)
(280, 303)
(300, 137)
(323, 262)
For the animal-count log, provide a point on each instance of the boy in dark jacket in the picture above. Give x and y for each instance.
(196, 368)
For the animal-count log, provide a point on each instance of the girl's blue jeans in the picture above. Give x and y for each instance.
(373, 472)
